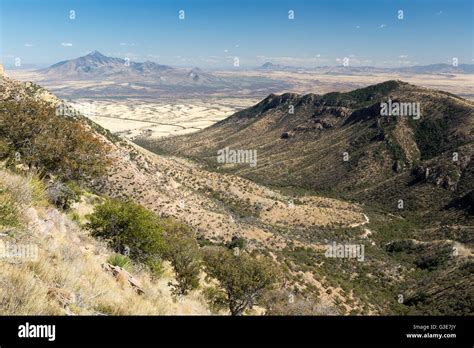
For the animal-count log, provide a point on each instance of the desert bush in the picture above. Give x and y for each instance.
(4, 149)
(182, 251)
(17, 187)
(242, 278)
(129, 225)
(32, 134)
(236, 242)
(63, 195)
(14, 196)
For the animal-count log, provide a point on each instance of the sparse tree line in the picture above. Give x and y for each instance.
(65, 153)
(240, 278)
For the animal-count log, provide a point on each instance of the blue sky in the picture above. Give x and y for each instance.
(323, 32)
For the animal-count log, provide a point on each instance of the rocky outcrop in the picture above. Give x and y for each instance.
(442, 176)
(122, 276)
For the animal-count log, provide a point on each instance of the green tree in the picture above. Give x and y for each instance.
(243, 278)
(129, 226)
(183, 253)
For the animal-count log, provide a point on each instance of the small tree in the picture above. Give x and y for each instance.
(183, 253)
(242, 277)
(129, 225)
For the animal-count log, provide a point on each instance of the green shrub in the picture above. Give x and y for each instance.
(121, 261)
(236, 242)
(4, 149)
(183, 252)
(216, 298)
(74, 216)
(53, 144)
(242, 278)
(126, 225)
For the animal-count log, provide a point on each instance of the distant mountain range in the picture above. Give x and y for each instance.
(95, 65)
(268, 66)
(126, 78)
(352, 70)
(439, 69)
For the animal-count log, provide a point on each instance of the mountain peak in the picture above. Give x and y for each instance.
(95, 53)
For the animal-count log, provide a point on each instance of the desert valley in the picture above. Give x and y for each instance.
(332, 171)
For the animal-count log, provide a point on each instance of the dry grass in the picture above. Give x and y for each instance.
(71, 260)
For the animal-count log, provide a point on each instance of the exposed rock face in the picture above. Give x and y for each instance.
(442, 176)
(122, 276)
(15, 90)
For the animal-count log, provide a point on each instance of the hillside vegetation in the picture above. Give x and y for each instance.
(412, 175)
(134, 232)
(90, 254)
(340, 145)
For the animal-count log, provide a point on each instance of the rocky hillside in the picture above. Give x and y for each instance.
(49, 263)
(412, 175)
(66, 271)
(340, 144)
(55, 147)
(287, 225)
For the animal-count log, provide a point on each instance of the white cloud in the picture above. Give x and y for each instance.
(403, 56)
(29, 45)
(66, 44)
(382, 26)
